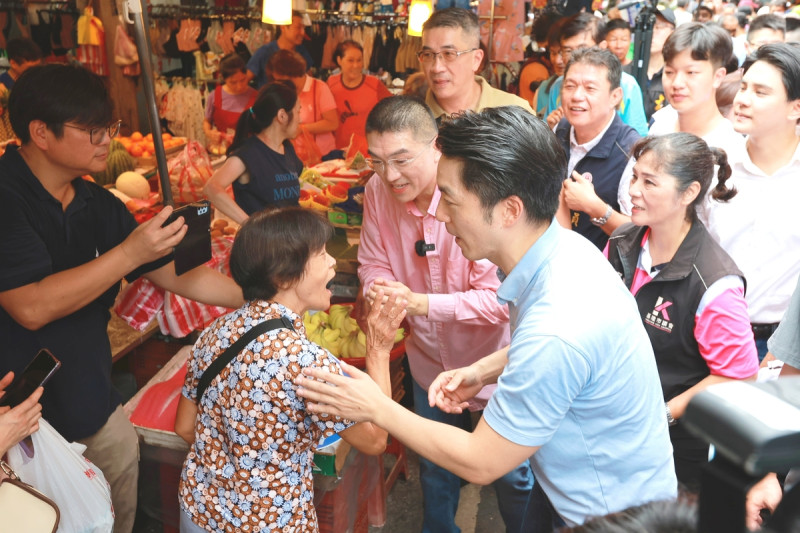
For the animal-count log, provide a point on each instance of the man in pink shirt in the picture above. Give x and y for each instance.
(453, 310)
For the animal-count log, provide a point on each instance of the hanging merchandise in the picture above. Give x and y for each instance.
(503, 22)
(184, 111)
(92, 43)
(125, 54)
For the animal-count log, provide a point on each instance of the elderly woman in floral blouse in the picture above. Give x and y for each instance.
(252, 440)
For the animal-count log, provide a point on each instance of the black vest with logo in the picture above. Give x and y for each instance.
(668, 303)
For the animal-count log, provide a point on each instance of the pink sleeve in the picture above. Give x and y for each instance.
(605, 251)
(373, 258)
(325, 99)
(723, 333)
(478, 305)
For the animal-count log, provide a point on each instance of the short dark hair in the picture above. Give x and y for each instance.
(703, 7)
(598, 57)
(688, 158)
(581, 23)
(669, 516)
(286, 63)
(273, 247)
(769, 21)
(402, 113)
(231, 64)
(707, 42)
(786, 58)
(22, 49)
(554, 34)
(529, 164)
(616, 24)
(56, 94)
(342, 47)
(455, 17)
(271, 98)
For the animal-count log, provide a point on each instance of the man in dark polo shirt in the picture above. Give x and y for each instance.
(66, 244)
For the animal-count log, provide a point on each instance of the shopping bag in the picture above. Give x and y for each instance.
(188, 173)
(306, 149)
(23, 508)
(58, 470)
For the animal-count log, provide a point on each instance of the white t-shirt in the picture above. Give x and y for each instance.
(759, 229)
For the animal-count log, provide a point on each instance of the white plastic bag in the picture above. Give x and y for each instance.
(59, 471)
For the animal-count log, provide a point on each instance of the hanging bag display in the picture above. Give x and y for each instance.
(23, 508)
(57, 469)
(188, 173)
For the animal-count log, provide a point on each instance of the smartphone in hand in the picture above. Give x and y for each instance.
(34, 376)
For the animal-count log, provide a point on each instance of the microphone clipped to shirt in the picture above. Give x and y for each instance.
(423, 248)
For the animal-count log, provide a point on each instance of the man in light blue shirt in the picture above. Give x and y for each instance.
(577, 389)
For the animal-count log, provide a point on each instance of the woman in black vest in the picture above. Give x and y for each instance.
(689, 291)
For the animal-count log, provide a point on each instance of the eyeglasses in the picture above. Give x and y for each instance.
(97, 135)
(448, 56)
(397, 163)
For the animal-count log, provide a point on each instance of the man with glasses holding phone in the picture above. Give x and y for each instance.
(450, 57)
(453, 311)
(67, 244)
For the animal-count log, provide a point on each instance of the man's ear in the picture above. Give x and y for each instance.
(616, 96)
(477, 59)
(794, 112)
(38, 132)
(512, 211)
(719, 75)
(602, 44)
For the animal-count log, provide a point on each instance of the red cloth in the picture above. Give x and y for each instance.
(176, 315)
(158, 407)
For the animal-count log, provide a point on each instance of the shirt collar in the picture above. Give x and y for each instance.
(82, 191)
(524, 273)
(438, 111)
(412, 208)
(743, 158)
(587, 146)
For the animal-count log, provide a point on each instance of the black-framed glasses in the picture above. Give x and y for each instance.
(397, 163)
(448, 56)
(98, 134)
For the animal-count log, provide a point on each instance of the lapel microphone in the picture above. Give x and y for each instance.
(423, 248)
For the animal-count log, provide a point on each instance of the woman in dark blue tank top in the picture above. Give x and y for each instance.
(262, 165)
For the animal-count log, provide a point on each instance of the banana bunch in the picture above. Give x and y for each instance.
(338, 332)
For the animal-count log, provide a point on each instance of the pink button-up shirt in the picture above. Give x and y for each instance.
(465, 321)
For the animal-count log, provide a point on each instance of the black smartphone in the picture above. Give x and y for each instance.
(34, 376)
(195, 248)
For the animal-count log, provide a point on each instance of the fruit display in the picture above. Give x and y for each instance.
(313, 177)
(221, 227)
(118, 161)
(314, 200)
(134, 185)
(139, 145)
(338, 332)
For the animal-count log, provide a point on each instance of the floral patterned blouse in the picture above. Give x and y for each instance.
(249, 468)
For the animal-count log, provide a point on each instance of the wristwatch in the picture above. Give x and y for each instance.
(670, 421)
(603, 219)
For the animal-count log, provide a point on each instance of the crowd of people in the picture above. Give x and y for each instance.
(575, 263)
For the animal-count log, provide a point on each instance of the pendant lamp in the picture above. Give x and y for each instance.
(277, 12)
(418, 13)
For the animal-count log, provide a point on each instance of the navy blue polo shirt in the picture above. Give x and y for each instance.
(38, 238)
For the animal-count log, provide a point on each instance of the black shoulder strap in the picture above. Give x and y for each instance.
(227, 356)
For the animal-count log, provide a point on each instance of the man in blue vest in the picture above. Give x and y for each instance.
(597, 143)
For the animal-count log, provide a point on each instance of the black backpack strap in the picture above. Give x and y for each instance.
(228, 355)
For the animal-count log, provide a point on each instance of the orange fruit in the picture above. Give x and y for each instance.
(166, 136)
(136, 136)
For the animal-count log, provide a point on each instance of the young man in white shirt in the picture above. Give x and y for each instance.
(758, 228)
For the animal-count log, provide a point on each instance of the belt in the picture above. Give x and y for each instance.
(763, 331)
